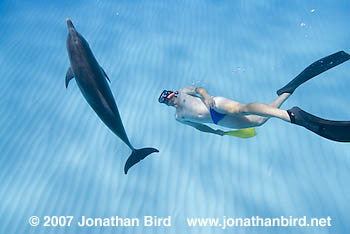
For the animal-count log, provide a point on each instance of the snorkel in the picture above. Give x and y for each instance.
(166, 96)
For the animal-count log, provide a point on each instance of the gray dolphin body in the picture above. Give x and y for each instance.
(92, 81)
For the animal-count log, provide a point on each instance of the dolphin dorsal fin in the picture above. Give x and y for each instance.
(69, 76)
(105, 74)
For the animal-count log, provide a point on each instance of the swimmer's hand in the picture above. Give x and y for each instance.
(203, 127)
(206, 98)
(209, 102)
(219, 132)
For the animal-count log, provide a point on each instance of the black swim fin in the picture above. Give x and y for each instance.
(136, 156)
(315, 69)
(333, 130)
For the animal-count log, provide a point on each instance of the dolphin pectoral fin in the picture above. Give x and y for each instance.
(69, 76)
(105, 74)
(136, 156)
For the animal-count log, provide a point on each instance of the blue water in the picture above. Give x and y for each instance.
(58, 158)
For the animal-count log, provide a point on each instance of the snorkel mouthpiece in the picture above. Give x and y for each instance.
(171, 95)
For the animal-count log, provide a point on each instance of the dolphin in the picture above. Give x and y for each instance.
(92, 82)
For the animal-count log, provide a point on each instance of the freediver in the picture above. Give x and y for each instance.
(195, 107)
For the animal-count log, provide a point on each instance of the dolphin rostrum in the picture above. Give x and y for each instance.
(92, 81)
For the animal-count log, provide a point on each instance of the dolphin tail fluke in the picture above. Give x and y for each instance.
(136, 156)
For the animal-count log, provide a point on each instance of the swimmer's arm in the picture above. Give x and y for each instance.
(206, 98)
(203, 127)
(203, 93)
(191, 90)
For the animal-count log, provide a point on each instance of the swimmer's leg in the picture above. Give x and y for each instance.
(263, 110)
(260, 120)
(315, 69)
(226, 106)
(277, 103)
(333, 130)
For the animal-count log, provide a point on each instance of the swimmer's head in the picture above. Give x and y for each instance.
(168, 97)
